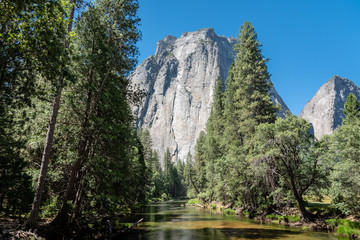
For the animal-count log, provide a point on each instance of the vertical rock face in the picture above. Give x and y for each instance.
(325, 110)
(179, 80)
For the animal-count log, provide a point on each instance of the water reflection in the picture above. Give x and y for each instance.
(171, 220)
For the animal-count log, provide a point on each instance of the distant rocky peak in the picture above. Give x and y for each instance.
(325, 110)
(162, 45)
(340, 82)
(204, 33)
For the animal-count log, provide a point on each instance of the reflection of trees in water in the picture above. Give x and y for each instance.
(258, 233)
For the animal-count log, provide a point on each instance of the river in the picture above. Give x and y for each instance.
(171, 220)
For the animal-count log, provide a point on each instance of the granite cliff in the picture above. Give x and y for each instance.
(179, 80)
(325, 110)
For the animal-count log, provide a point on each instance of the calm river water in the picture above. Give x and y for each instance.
(171, 220)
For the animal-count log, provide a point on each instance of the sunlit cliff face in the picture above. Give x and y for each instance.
(179, 80)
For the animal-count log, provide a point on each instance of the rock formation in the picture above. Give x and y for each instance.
(325, 110)
(179, 80)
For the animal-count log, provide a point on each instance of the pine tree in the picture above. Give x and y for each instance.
(31, 48)
(247, 104)
(249, 84)
(351, 109)
(215, 123)
(107, 144)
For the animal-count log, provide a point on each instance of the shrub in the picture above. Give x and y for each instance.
(229, 211)
(194, 201)
(50, 209)
(344, 227)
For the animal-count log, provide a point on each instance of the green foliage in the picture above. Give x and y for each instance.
(288, 147)
(223, 169)
(344, 227)
(341, 151)
(165, 197)
(229, 211)
(351, 109)
(31, 52)
(194, 201)
(50, 208)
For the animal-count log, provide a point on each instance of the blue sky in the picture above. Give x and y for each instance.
(308, 41)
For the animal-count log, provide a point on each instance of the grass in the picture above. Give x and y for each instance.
(285, 218)
(320, 206)
(314, 199)
(194, 201)
(344, 227)
(229, 211)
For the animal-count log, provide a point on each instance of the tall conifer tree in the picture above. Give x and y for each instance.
(247, 104)
(249, 84)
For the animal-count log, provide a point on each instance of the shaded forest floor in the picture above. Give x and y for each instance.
(10, 226)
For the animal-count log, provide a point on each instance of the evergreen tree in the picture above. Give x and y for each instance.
(199, 179)
(249, 84)
(105, 54)
(63, 68)
(31, 48)
(351, 109)
(247, 104)
(215, 123)
(341, 152)
(189, 176)
(157, 177)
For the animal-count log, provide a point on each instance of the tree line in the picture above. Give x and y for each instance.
(69, 148)
(251, 159)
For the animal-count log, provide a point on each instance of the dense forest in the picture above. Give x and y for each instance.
(70, 151)
(69, 148)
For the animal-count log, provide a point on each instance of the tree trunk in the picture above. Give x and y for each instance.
(45, 159)
(62, 219)
(32, 222)
(78, 198)
(305, 215)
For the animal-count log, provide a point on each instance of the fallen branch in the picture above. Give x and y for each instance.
(115, 235)
(199, 205)
(135, 224)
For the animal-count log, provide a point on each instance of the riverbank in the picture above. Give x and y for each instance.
(324, 219)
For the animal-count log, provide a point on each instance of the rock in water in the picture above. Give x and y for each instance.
(325, 110)
(180, 80)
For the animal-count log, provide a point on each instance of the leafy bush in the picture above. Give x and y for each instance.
(193, 201)
(229, 211)
(344, 227)
(50, 209)
(165, 197)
